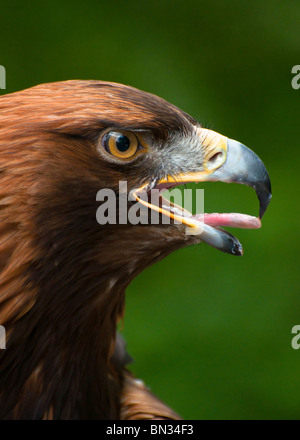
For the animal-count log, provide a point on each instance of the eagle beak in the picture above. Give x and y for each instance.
(224, 160)
(242, 165)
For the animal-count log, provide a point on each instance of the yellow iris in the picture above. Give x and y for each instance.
(122, 144)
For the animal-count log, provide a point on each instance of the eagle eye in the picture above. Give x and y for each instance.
(121, 144)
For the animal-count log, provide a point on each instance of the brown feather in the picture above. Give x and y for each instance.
(138, 403)
(62, 276)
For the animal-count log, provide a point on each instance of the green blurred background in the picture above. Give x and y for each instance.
(210, 333)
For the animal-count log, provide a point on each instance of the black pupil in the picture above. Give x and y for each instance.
(122, 143)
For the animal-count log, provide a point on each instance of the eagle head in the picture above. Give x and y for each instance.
(63, 266)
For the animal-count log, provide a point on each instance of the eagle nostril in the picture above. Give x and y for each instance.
(215, 157)
(216, 160)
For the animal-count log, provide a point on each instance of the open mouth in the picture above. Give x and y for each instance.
(206, 225)
(241, 166)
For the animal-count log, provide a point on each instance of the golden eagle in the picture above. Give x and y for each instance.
(63, 275)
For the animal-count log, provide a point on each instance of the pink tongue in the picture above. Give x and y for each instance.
(233, 220)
